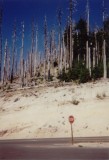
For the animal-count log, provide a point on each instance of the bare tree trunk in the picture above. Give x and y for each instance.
(44, 69)
(8, 65)
(71, 44)
(94, 57)
(0, 44)
(60, 39)
(97, 54)
(64, 55)
(48, 61)
(36, 53)
(89, 61)
(31, 70)
(104, 48)
(22, 59)
(71, 11)
(13, 53)
(45, 46)
(95, 50)
(67, 45)
(87, 10)
(15, 64)
(104, 60)
(72, 5)
(61, 61)
(32, 50)
(87, 55)
(5, 64)
(87, 43)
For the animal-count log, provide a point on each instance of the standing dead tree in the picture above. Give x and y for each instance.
(60, 41)
(104, 47)
(45, 46)
(36, 52)
(5, 69)
(22, 57)
(13, 52)
(1, 44)
(87, 42)
(72, 5)
(8, 64)
(71, 10)
(53, 52)
(32, 50)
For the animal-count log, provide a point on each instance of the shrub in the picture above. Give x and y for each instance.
(84, 75)
(75, 102)
(104, 95)
(64, 76)
(97, 72)
(73, 73)
(50, 78)
(98, 96)
(8, 87)
(78, 72)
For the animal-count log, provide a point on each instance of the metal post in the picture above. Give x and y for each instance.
(72, 133)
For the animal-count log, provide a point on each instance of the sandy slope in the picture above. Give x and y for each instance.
(43, 111)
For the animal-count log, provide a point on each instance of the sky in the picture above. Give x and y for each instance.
(27, 10)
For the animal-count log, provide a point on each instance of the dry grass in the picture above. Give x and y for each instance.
(8, 95)
(101, 96)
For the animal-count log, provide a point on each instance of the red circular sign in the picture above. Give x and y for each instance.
(71, 119)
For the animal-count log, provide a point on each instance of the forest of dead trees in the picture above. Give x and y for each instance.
(80, 53)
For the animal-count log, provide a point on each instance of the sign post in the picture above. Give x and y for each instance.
(71, 120)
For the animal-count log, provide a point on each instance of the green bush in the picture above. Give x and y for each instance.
(64, 76)
(78, 72)
(97, 72)
(73, 73)
(84, 75)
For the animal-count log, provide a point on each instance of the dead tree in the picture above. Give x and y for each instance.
(71, 54)
(87, 43)
(22, 57)
(36, 52)
(13, 52)
(94, 55)
(53, 46)
(104, 47)
(53, 56)
(45, 46)
(67, 47)
(48, 64)
(89, 51)
(32, 50)
(5, 64)
(104, 59)
(64, 53)
(1, 43)
(96, 50)
(60, 41)
(8, 64)
(72, 5)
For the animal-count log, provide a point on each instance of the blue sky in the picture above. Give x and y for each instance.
(26, 10)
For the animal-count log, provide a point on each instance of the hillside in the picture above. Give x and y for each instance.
(43, 111)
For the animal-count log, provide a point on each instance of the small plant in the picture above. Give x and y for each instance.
(104, 95)
(97, 72)
(75, 102)
(99, 96)
(8, 87)
(84, 75)
(50, 78)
